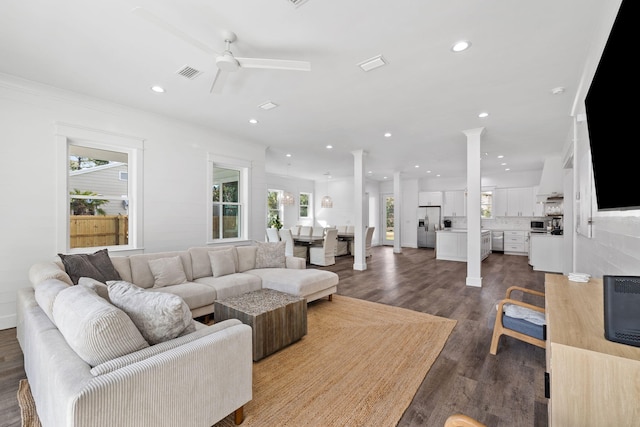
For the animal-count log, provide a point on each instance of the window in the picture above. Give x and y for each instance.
(274, 215)
(227, 209)
(304, 205)
(98, 209)
(486, 204)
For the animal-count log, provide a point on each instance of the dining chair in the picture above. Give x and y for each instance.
(460, 420)
(519, 320)
(305, 230)
(295, 230)
(272, 235)
(325, 254)
(368, 236)
(290, 248)
(351, 229)
(341, 229)
(317, 231)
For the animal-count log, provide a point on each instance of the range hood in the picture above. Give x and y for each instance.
(550, 180)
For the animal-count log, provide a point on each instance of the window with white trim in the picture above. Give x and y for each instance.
(274, 211)
(486, 204)
(228, 196)
(97, 209)
(305, 203)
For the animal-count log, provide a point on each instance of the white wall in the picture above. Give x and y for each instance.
(174, 181)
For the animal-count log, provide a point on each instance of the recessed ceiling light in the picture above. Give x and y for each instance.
(329, 147)
(372, 63)
(507, 169)
(288, 154)
(483, 115)
(438, 175)
(267, 105)
(461, 45)
(370, 172)
(157, 89)
(417, 166)
(557, 90)
(253, 121)
(501, 156)
(384, 177)
(387, 135)
(428, 171)
(503, 164)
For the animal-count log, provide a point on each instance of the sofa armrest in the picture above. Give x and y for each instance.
(198, 383)
(295, 262)
(42, 271)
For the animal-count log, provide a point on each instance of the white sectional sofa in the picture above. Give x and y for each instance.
(91, 359)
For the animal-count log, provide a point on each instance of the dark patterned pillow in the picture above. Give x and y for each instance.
(270, 255)
(97, 265)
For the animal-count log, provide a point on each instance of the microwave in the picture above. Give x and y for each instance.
(539, 225)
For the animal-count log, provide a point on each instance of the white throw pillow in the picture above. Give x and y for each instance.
(96, 330)
(270, 255)
(97, 286)
(160, 316)
(246, 258)
(222, 262)
(167, 271)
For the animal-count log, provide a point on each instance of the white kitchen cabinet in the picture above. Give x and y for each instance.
(499, 202)
(430, 198)
(454, 203)
(546, 253)
(514, 242)
(514, 202)
(452, 245)
(538, 208)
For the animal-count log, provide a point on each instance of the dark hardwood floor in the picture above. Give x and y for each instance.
(500, 391)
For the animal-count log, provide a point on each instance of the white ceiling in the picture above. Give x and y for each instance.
(425, 96)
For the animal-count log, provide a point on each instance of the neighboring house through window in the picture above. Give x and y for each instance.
(98, 208)
(228, 198)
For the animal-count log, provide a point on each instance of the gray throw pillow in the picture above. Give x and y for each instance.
(270, 255)
(167, 271)
(159, 316)
(97, 265)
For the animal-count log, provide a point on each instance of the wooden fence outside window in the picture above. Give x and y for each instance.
(86, 231)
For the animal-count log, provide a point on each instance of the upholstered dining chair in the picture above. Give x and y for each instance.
(351, 229)
(325, 254)
(305, 230)
(341, 229)
(295, 230)
(290, 248)
(272, 235)
(368, 236)
(317, 231)
(460, 420)
(519, 320)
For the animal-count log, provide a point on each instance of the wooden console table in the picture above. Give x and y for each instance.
(593, 381)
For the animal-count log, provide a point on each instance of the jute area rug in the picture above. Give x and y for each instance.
(360, 364)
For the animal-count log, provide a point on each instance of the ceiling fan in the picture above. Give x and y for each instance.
(225, 61)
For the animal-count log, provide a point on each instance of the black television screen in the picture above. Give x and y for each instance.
(611, 117)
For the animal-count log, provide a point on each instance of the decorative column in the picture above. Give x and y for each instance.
(359, 256)
(474, 189)
(397, 213)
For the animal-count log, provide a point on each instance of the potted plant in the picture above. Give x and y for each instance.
(274, 222)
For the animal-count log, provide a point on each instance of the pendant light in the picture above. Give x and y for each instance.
(286, 198)
(326, 201)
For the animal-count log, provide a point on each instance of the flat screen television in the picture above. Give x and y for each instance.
(612, 119)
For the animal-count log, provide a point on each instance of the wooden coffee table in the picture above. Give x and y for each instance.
(276, 318)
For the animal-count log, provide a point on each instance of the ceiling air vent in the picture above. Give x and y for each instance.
(297, 3)
(189, 72)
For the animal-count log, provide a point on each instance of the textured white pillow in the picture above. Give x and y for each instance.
(167, 271)
(222, 262)
(159, 316)
(246, 258)
(270, 255)
(97, 286)
(96, 330)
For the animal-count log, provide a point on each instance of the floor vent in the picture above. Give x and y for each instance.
(189, 72)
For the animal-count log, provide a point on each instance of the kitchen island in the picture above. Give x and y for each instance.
(451, 244)
(545, 253)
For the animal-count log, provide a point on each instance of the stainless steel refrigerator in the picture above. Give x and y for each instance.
(428, 223)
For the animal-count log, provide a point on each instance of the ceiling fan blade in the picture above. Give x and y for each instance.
(218, 81)
(154, 19)
(275, 64)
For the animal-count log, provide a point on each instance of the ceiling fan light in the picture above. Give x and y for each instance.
(326, 202)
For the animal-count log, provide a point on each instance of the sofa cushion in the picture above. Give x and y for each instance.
(141, 274)
(42, 271)
(296, 281)
(270, 255)
(246, 258)
(97, 265)
(46, 293)
(159, 316)
(223, 262)
(96, 330)
(98, 287)
(201, 263)
(167, 271)
(232, 284)
(196, 295)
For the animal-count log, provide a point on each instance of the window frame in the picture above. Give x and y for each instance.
(67, 135)
(244, 169)
(308, 205)
(280, 208)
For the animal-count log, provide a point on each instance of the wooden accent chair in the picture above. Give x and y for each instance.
(459, 420)
(519, 320)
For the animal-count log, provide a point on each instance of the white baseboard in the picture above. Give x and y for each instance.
(7, 322)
